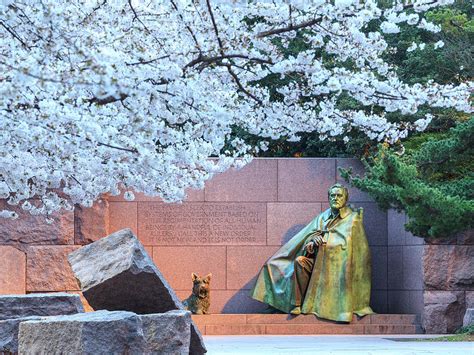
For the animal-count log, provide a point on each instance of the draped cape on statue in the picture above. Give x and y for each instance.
(341, 278)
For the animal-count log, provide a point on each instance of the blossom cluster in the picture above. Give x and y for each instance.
(99, 96)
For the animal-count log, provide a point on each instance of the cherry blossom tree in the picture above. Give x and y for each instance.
(97, 96)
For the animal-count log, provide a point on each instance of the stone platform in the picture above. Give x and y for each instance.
(284, 324)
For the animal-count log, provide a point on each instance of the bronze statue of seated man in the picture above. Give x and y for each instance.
(324, 269)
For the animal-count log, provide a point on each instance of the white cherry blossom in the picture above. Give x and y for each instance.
(104, 96)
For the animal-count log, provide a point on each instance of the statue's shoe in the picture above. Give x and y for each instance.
(296, 310)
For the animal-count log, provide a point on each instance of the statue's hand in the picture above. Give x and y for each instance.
(318, 240)
(309, 247)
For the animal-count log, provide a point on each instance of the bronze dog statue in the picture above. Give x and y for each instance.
(200, 299)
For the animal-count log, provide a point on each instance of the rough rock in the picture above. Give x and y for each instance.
(48, 269)
(37, 304)
(9, 334)
(167, 333)
(100, 332)
(443, 311)
(469, 299)
(91, 224)
(116, 273)
(449, 267)
(468, 317)
(197, 346)
(33, 230)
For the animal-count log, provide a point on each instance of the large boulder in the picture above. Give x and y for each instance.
(449, 267)
(100, 332)
(39, 304)
(116, 273)
(443, 312)
(167, 333)
(9, 334)
(104, 332)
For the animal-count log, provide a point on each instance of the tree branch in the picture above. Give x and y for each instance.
(14, 34)
(107, 100)
(214, 25)
(187, 27)
(289, 28)
(141, 61)
(240, 86)
(210, 60)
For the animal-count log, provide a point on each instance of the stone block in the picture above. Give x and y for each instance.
(443, 312)
(375, 223)
(91, 224)
(379, 267)
(177, 264)
(9, 329)
(470, 299)
(123, 215)
(286, 219)
(305, 180)
(100, 332)
(243, 264)
(202, 223)
(449, 267)
(257, 181)
(33, 230)
(116, 273)
(13, 270)
(468, 317)
(395, 267)
(167, 333)
(413, 267)
(358, 169)
(396, 227)
(47, 269)
(39, 304)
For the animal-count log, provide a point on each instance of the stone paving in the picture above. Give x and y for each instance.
(334, 345)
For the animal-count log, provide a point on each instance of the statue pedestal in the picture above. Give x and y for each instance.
(284, 324)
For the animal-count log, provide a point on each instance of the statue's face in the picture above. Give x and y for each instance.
(337, 198)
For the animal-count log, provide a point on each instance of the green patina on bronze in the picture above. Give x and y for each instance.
(340, 281)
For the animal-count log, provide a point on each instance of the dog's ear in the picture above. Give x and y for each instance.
(194, 276)
(207, 279)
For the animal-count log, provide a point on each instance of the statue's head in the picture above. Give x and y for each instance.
(338, 196)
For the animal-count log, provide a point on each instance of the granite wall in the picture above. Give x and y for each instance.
(448, 282)
(228, 229)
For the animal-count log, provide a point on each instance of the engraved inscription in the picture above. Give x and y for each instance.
(202, 223)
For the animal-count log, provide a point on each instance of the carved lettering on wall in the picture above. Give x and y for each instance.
(202, 223)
